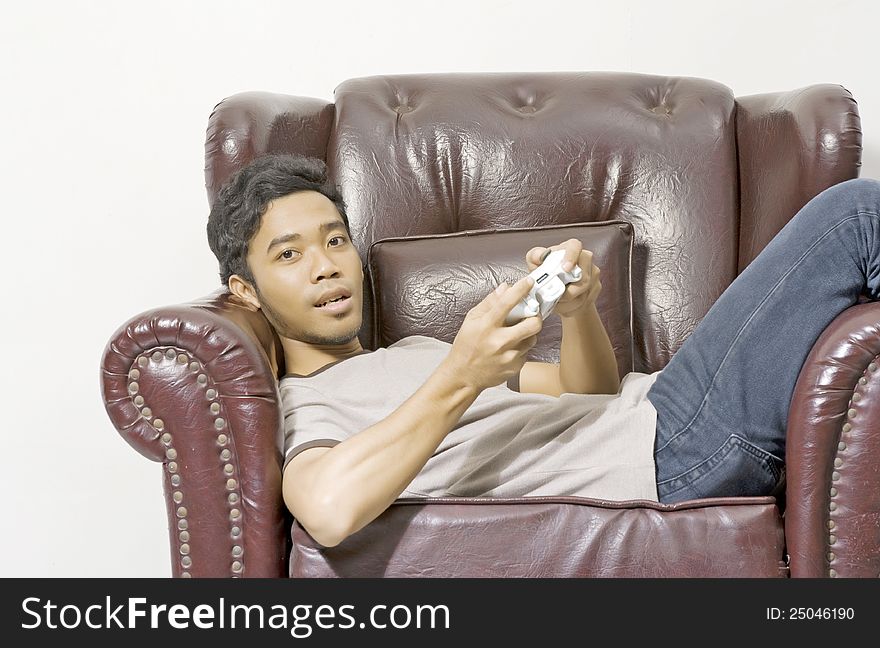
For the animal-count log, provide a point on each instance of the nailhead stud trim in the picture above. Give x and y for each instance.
(838, 464)
(226, 455)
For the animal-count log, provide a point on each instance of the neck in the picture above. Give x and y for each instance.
(304, 358)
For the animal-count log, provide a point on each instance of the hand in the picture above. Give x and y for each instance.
(580, 294)
(485, 352)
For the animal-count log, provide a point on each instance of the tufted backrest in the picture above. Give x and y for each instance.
(444, 153)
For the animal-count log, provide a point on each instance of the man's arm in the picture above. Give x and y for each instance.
(334, 492)
(587, 362)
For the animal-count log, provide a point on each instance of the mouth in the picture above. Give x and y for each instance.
(335, 302)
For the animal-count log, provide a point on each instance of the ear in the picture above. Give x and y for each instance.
(242, 289)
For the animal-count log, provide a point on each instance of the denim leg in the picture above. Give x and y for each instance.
(722, 401)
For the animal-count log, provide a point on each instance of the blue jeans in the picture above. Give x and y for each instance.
(723, 399)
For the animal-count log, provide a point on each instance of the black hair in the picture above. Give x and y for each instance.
(241, 202)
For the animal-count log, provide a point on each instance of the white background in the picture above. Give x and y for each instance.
(103, 113)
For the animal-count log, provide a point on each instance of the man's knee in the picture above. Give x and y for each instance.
(861, 193)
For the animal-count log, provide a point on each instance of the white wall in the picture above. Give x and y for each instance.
(102, 118)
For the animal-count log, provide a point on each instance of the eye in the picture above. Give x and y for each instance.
(287, 254)
(341, 240)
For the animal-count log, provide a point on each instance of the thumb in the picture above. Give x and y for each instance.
(536, 256)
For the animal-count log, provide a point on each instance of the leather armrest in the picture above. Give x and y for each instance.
(194, 386)
(833, 452)
(791, 146)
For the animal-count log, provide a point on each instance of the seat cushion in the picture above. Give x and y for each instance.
(425, 285)
(555, 538)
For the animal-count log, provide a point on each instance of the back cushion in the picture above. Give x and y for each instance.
(425, 285)
(442, 153)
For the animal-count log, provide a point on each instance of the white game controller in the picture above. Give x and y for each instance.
(550, 281)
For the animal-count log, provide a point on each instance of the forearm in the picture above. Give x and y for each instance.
(587, 361)
(356, 480)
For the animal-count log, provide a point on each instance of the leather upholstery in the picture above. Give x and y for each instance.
(425, 285)
(172, 357)
(435, 154)
(833, 515)
(791, 145)
(704, 178)
(555, 538)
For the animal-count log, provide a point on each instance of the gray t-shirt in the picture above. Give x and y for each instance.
(506, 444)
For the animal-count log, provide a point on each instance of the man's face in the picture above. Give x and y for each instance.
(300, 258)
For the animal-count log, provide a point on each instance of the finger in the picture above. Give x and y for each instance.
(508, 298)
(586, 263)
(523, 347)
(526, 328)
(574, 290)
(594, 272)
(489, 301)
(536, 256)
(577, 287)
(572, 249)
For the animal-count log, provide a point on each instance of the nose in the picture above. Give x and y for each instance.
(323, 266)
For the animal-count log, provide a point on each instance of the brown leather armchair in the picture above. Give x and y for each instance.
(704, 178)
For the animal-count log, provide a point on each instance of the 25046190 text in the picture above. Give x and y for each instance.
(811, 613)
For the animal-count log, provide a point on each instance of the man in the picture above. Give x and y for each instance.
(423, 417)
(281, 235)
